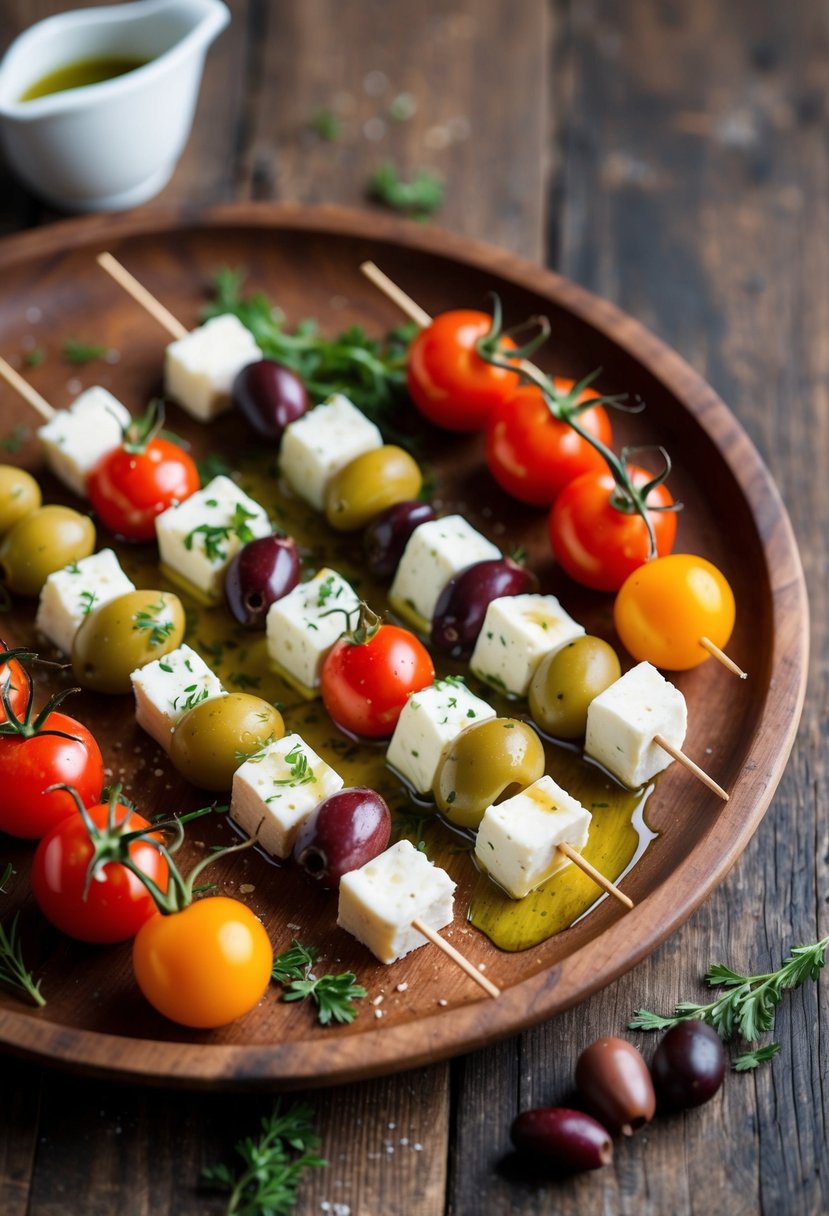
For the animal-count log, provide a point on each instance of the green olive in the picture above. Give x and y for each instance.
(42, 542)
(567, 680)
(212, 739)
(19, 496)
(124, 634)
(368, 484)
(484, 762)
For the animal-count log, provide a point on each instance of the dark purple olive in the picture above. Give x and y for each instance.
(688, 1066)
(387, 535)
(462, 604)
(614, 1082)
(262, 571)
(567, 1139)
(347, 829)
(270, 396)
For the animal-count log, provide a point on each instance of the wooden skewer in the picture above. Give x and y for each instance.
(457, 957)
(404, 302)
(722, 657)
(26, 391)
(140, 294)
(595, 874)
(688, 763)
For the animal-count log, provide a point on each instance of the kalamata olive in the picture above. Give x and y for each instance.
(387, 535)
(44, 541)
(347, 829)
(213, 738)
(688, 1065)
(270, 396)
(123, 634)
(566, 681)
(614, 1082)
(486, 760)
(568, 1139)
(19, 495)
(369, 484)
(461, 607)
(262, 571)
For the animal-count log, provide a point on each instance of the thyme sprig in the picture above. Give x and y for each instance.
(334, 995)
(13, 970)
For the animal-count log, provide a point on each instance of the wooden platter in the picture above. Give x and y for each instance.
(307, 260)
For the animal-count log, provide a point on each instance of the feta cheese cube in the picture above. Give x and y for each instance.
(430, 720)
(379, 901)
(517, 632)
(72, 593)
(279, 788)
(434, 553)
(198, 538)
(75, 440)
(322, 442)
(517, 842)
(622, 722)
(302, 628)
(168, 687)
(199, 369)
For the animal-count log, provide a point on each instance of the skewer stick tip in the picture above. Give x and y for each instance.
(396, 294)
(456, 957)
(721, 657)
(597, 876)
(140, 294)
(693, 768)
(25, 390)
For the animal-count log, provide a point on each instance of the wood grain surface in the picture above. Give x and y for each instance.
(674, 158)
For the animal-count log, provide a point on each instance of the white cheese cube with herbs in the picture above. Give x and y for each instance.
(623, 720)
(70, 594)
(321, 442)
(168, 687)
(379, 901)
(198, 538)
(435, 552)
(75, 440)
(517, 632)
(277, 789)
(518, 839)
(199, 369)
(430, 720)
(303, 625)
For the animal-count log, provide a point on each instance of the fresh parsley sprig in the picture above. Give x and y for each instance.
(13, 970)
(747, 1008)
(420, 196)
(334, 995)
(268, 1184)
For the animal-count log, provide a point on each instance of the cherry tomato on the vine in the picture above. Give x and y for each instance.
(114, 904)
(133, 484)
(30, 764)
(15, 684)
(205, 965)
(599, 545)
(666, 606)
(448, 380)
(365, 683)
(533, 455)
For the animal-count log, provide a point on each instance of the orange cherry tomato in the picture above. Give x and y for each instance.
(206, 965)
(666, 606)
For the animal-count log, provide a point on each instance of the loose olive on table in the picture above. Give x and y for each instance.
(567, 680)
(270, 396)
(484, 762)
(262, 572)
(688, 1065)
(570, 1140)
(44, 541)
(616, 1086)
(19, 496)
(387, 535)
(124, 634)
(461, 607)
(346, 830)
(368, 485)
(214, 737)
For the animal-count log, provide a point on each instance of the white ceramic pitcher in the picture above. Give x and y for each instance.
(106, 146)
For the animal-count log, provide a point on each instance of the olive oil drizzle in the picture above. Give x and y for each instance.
(80, 74)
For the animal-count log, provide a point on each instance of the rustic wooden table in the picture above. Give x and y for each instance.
(674, 158)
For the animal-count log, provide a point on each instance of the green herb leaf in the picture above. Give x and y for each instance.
(214, 536)
(77, 352)
(752, 1059)
(334, 995)
(13, 970)
(150, 618)
(294, 963)
(34, 357)
(420, 196)
(326, 124)
(16, 439)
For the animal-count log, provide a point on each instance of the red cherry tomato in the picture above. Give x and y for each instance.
(15, 679)
(597, 544)
(533, 455)
(448, 380)
(129, 489)
(365, 684)
(115, 903)
(30, 764)
(206, 965)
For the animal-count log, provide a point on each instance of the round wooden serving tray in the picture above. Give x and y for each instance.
(308, 262)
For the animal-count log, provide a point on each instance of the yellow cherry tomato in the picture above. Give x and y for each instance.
(206, 965)
(665, 607)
